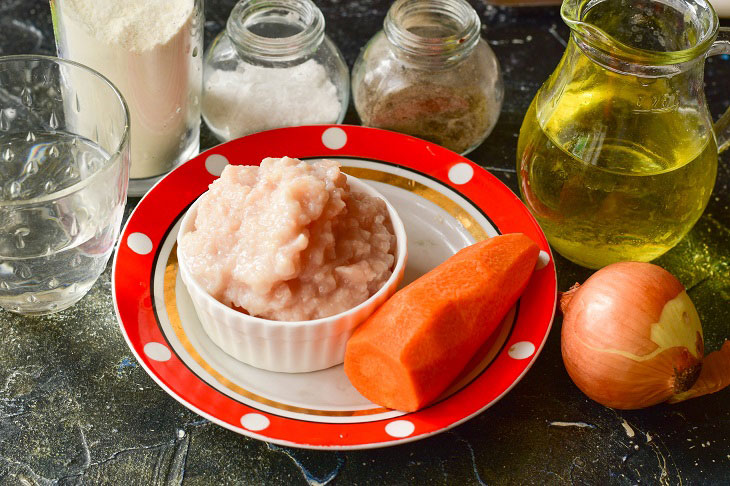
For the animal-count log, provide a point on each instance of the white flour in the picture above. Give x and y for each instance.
(252, 99)
(722, 7)
(148, 50)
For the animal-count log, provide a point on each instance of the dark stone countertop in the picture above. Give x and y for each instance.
(75, 407)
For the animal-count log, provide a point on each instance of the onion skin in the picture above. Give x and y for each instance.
(714, 377)
(631, 337)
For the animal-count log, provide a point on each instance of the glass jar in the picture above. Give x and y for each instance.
(429, 73)
(152, 52)
(273, 67)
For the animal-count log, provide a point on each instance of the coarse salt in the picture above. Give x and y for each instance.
(254, 98)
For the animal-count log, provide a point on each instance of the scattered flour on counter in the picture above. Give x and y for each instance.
(572, 424)
(627, 428)
(253, 98)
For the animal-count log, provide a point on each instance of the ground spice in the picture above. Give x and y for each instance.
(455, 118)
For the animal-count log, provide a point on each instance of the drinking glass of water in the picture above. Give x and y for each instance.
(64, 169)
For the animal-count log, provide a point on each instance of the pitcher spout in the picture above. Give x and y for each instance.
(644, 33)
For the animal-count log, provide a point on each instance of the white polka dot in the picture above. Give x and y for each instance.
(139, 243)
(461, 173)
(400, 428)
(542, 260)
(157, 351)
(521, 350)
(334, 138)
(215, 164)
(255, 421)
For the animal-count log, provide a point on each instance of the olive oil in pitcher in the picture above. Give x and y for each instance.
(617, 156)
(626, 201)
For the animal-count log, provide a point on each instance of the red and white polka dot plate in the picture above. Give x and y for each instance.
(446, 203)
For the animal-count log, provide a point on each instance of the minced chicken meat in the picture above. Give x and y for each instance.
(289, 241)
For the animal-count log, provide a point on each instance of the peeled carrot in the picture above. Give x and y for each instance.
(416, 344)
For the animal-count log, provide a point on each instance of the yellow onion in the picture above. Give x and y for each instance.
(632, 338)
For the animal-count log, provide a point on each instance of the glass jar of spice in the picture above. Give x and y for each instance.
(273, 67)
(429, 73)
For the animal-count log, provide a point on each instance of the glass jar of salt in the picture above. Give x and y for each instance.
(152, 51)
(429, 74)
(273, 67)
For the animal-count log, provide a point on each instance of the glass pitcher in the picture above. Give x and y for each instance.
(617, 155)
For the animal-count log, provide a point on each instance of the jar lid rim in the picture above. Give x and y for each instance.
(302, 14)
(402, 22)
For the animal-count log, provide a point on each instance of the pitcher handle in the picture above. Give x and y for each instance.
(722, 127)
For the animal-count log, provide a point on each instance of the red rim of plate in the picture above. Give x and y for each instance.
(158, 211)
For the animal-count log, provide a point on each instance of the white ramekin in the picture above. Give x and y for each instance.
(296, 346)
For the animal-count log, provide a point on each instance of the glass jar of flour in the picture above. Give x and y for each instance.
(273, 67)
(429, 74)
(152, 51)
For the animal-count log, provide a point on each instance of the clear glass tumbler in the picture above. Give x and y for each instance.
(64, 171)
